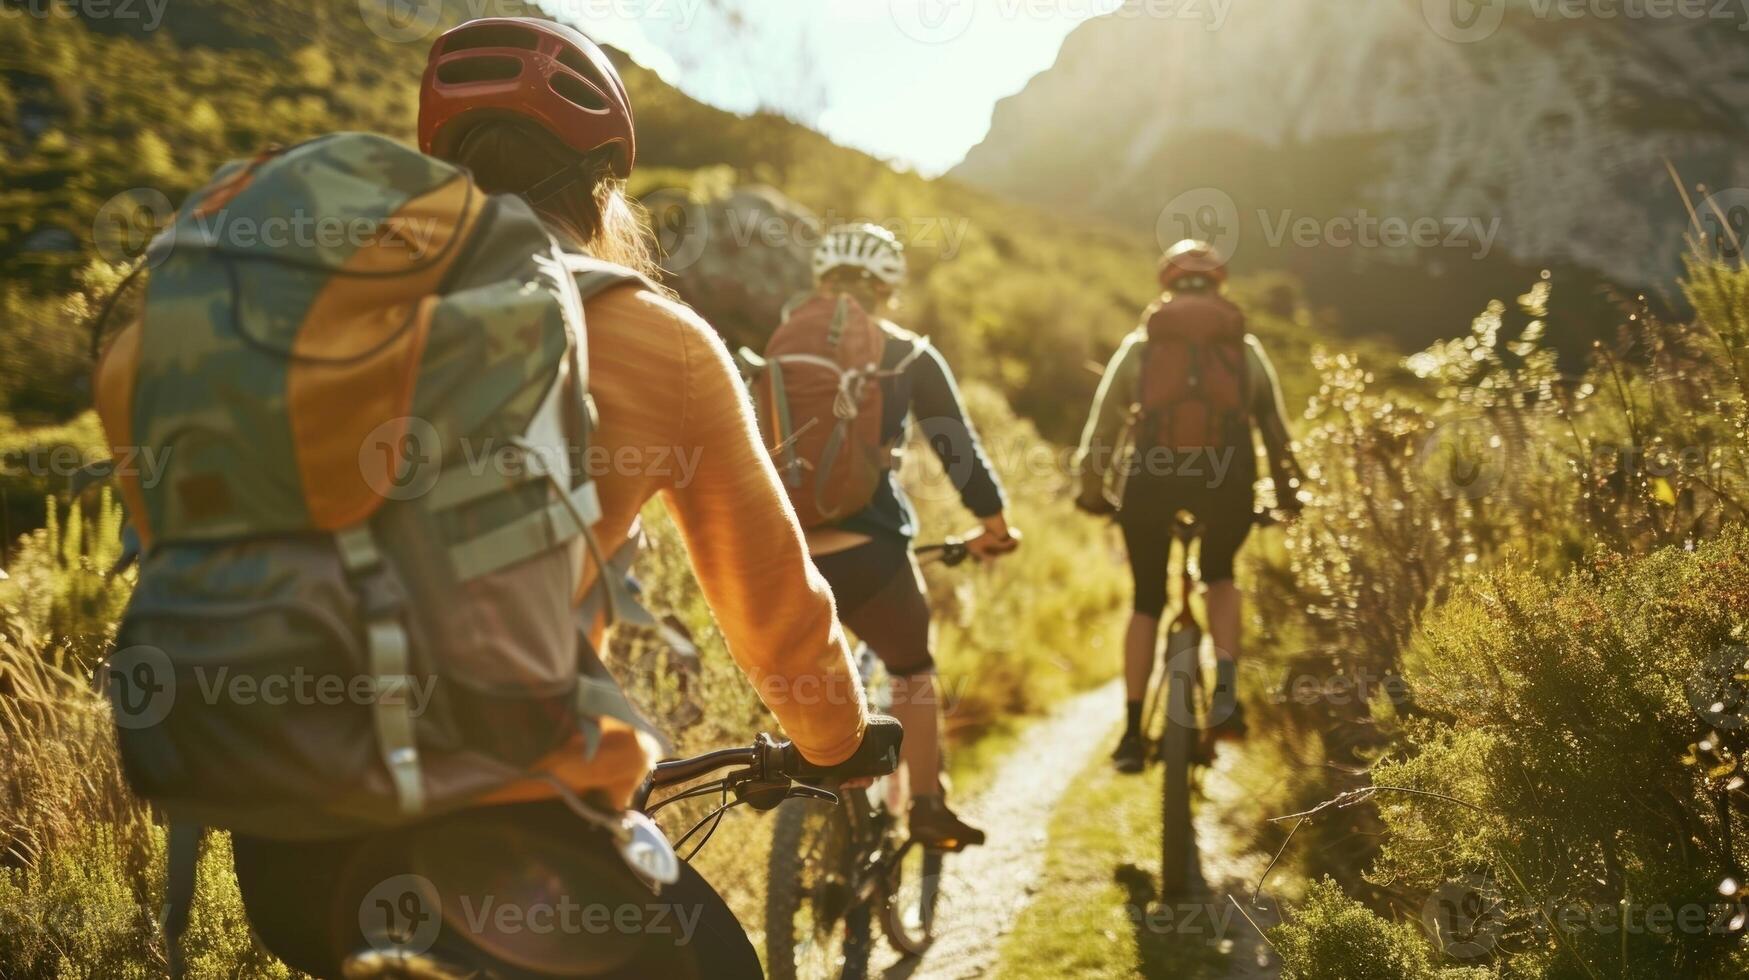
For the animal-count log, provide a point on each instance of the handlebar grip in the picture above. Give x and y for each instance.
(878, 755)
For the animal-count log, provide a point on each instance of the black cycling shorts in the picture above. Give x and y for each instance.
(879, 591)
(1150, 507)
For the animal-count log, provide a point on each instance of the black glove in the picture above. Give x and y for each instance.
(878, 755)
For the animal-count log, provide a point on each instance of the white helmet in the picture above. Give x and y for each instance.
(868, 247)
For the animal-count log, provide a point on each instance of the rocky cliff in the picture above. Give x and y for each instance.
(1410, 158)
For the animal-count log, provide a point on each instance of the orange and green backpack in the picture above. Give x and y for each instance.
(355, 604)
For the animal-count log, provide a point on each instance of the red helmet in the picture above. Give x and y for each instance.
(1192, 258)
(524, 66)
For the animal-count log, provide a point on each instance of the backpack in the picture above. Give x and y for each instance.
(1194, 389)
(818, 396)
(355, 597)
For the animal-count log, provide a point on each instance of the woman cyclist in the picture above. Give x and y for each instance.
(867, 556)
(534, 108)
(1167, 380)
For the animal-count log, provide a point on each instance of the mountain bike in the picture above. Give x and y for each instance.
(833, 870)
(1178, 704)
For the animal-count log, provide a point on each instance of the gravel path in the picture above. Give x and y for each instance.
(1231, 872)
(985, 888)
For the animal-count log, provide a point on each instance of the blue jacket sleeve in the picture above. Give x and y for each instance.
(941, 415)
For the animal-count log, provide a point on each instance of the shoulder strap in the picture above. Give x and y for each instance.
(919, 347)
(595, 276)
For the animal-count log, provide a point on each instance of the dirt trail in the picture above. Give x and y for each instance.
(985, 888)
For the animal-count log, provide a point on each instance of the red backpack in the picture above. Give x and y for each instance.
(1195, 382)
(818, 395)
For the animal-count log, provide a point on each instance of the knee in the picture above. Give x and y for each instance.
(1222, 588)
(917, 667)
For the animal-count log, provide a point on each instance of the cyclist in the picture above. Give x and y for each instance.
(1189, 386)
(567, 148)
(867, 556)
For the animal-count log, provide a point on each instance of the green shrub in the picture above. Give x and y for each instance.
(1020, 634)
(1595, 729)
(1334, 937)
(76, 914)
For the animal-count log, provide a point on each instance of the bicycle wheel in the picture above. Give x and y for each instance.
(911, 893)
(1177, 839)
(811, 929)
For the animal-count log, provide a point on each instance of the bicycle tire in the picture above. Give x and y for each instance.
(842, 949)
(908, 936)
(1177, 838)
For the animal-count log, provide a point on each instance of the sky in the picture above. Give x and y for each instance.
(912, 81)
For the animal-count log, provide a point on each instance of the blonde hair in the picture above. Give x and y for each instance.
(593, 214)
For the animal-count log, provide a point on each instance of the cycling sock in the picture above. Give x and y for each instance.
(1133, 718)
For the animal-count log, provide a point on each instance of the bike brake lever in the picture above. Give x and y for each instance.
(763, 794)
(800, 792)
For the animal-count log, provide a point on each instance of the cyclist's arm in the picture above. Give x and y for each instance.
(746, 548)
(1111, 405)
(936, 402)
(1270, 411)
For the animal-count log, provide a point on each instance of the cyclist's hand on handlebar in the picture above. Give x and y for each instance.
(878, 755)
(993, 540)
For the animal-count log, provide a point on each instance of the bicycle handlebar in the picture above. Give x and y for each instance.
(769, 760)
(686, 770)
(953, 551)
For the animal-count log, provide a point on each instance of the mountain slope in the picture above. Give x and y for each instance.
(1557, 129)
(1014, 295)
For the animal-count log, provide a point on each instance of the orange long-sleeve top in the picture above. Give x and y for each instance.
(675, 421)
